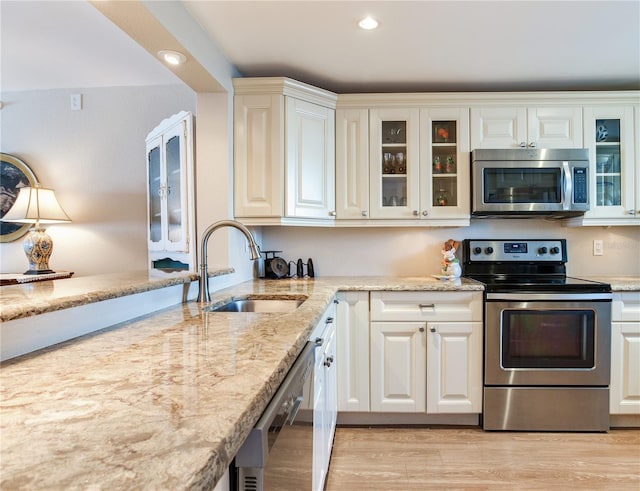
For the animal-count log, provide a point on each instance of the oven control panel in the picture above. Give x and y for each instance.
(534, 250)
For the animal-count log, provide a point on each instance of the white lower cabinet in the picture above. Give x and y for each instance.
(352, 349)
(325, 401)
(398, 367)
(454, 367)
(625, 354)
(414, 352)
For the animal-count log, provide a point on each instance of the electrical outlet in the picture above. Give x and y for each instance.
(76, 102)
(598, 248)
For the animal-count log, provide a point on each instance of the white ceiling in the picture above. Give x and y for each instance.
(419, 46)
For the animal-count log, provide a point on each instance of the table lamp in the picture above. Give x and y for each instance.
(37, 205)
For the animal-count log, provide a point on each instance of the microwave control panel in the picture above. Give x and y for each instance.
(580, 185)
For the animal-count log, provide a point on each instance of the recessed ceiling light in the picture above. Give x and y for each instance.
(368, 23)
(172, 57)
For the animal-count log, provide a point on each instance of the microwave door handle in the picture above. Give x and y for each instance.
(567, 186)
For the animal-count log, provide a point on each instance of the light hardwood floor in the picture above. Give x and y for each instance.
(380, 458)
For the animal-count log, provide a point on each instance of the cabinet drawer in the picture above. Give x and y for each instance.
(426, 306)
(625, 306)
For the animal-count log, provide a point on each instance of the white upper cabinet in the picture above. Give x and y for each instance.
(522, 127)
(259, 155)
(170, 207)
(401, 165)
(394, 138)
(444, 155)
(615, 185)
(284, 152)
(352, 163)
(310, 161)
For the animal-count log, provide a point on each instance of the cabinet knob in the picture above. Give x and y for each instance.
(332, 213)
(631, 212)
(364, 213)
(328, 361)
(329, 320)
(425, 213)
(319, 341)
(421, 329)
(416, 213)
(523, 144)
(432, 329)
(532, 144)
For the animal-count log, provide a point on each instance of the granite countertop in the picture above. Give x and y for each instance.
(163, 401)
(36, 298)
(619, 283)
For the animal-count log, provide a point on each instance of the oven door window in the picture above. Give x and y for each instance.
(522, 185)
(548, 339)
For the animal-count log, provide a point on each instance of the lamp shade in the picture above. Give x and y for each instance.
(36, 205)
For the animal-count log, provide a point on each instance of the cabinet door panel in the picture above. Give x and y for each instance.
(352, 163)
(398, 367)
(498, 127)
(310, 178)
(454, 367)
(258, 155)
(155, 190)
(352, 358)
(625, 369)
(444, 173)
(394, 166)
(555, 127)
(609, 135)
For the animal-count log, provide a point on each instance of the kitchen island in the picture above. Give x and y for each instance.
(163, 401)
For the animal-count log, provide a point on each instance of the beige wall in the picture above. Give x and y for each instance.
(407, 251)
(95, 160)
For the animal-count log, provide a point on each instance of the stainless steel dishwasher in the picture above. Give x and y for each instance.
(278, 453)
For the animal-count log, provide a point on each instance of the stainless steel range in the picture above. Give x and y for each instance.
(547, 338)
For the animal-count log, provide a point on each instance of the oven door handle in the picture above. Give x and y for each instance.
(528, 297)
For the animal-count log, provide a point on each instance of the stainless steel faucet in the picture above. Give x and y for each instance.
(203, 294)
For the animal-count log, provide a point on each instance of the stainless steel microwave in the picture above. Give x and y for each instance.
(529, 182)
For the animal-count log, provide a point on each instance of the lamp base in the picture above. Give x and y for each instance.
(38, 247)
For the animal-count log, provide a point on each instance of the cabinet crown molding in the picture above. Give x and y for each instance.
(470, 99)
(284, 86)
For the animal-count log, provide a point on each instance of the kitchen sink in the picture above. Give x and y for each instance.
(262, 305)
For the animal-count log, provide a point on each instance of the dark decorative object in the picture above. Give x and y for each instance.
(15, 174)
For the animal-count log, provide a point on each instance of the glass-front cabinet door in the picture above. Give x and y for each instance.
(609, 137)
(394, 163)
(444, 144)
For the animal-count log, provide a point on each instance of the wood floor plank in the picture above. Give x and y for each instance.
(379, 458)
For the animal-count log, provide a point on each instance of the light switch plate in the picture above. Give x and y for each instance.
(598, 248)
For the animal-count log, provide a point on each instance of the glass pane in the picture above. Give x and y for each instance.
(394, 191)
(548, 339)
(608, 130)
(608, 190)
(394, 132)
(174, 201)
(525, 185)
(445, 191)
(444, 132)
(608, 170)
(155, 210)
